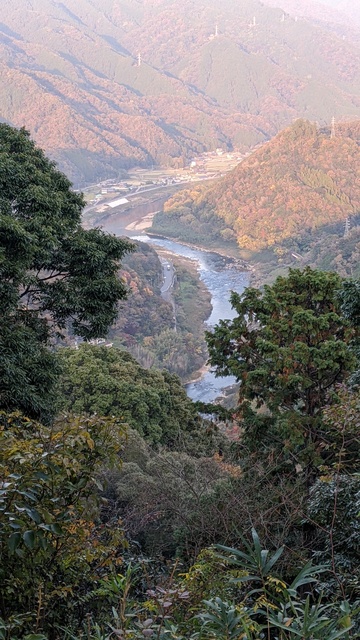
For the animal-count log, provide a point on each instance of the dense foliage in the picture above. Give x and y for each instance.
(53, 274)
(109, 382)
(74, 529)
(295, 185)
(52, 544)
(106, 516)
(289, 348)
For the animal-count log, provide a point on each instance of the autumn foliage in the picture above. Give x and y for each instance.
(301, 181)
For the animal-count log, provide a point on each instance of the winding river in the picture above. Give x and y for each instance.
(220, 278)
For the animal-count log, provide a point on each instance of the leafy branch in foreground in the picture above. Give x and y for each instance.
(52, 542)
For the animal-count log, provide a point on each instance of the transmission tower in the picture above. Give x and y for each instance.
(333, 128)
(347, 227)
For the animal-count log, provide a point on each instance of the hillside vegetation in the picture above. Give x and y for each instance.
(300, 183)
(145, 325)
(132, 515)
(70, 73)
(344, 12)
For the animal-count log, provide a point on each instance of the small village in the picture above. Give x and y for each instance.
(115, 194)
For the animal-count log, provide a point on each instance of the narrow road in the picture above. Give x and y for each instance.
(166, 289)
(169, 273)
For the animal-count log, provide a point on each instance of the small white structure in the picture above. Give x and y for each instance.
(117, 203)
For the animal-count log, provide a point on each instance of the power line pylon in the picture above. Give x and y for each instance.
(333, 128)
(347, 227)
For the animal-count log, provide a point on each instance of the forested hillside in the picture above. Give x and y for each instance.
(124, 511)
(145, 324)
(295, 186)
(71, 73)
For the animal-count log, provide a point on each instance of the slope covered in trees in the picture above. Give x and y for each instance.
(72, 75)
(328, 12)
(54, 275)
(297, 184)
(145, 323)
(105, 529)
(109, 382)
(82, 501)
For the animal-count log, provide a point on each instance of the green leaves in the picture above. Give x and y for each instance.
(254, 560)
(307, 575)
(53, 273)
(110, 382)
(288, 346)
(29, 539)
(14, 541)
(224, 620)
(277, 606)
(49, 542)
(309, 621)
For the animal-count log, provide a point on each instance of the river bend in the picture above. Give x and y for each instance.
(218, 275)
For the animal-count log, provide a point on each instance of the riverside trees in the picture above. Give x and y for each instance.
(290, 346)
(59, 544)
(53, 273)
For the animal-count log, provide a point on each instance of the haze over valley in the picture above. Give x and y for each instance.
(104, 86)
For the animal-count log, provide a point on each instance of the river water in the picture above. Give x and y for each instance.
(219, 277)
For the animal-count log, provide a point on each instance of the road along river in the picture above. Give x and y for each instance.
(219, 275)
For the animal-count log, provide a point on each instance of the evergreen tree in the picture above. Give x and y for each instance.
(53, 273)
(289, 347)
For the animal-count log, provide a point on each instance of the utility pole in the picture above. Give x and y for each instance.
(333, 129)
(347, 227)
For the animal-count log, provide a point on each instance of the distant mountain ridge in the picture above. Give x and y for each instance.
(106, 85)
(291, 188)
(341, 11)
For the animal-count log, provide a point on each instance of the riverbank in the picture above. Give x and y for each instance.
(142, 224)
(219, 271)
(220, 278)
(235, 261)
(262, 266)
